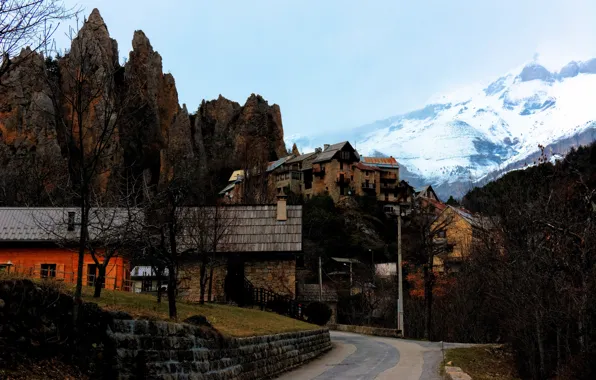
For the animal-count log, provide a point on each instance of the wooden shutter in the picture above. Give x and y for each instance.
(60, 272)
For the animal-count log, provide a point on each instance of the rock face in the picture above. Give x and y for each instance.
(152, 132)
(234, 134)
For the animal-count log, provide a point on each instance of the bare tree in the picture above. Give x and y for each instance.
(28, 23)
(207, 229)
(88, 104)
(424, 242)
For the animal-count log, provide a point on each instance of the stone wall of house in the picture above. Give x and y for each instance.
(328, 182)
(278, 276)
(190, 285)
(163, 350)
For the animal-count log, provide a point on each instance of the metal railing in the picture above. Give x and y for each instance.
(269, 300)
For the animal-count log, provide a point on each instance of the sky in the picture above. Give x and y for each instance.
(337, 64)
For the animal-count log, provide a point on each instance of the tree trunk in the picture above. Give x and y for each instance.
(159, 286)
(99, 280)
(172, 292)
(540, 345)
(78, 299)
(202, 281)
(209, 292)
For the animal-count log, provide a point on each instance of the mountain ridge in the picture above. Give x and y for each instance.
(465, 138)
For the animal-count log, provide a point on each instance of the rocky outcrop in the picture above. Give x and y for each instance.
(235, 136)
(152, 132)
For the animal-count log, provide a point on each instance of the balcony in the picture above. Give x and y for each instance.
(369, 186)
(342, 178)
(385, 185)
(388, 176)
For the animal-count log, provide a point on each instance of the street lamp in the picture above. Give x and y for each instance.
(400, 290)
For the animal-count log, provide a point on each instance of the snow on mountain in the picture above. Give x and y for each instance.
(477, 131)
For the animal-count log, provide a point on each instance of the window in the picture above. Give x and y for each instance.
(147, 286)
(344, 155)
(48, 270)
(442, 234)
(4, 268)
(296, 175)
(341, 165)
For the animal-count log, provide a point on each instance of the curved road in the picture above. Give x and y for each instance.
(362, 357)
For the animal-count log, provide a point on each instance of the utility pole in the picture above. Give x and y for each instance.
(320, 281)
(400, 290)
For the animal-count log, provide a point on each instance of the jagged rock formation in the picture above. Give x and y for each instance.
(152, 130)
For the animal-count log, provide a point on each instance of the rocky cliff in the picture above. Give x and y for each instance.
(151, 129)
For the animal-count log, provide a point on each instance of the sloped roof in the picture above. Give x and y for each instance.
(276, 164)
(253, 228)
(47, 224)
(362, 166)
(242, 228)
(382, 162)
(300, 158)
(237, 175)
(229, 187)
(473, 220)
(331, 150)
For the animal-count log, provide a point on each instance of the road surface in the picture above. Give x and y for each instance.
(362, 357)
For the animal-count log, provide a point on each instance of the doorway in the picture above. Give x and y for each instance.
(234, 283)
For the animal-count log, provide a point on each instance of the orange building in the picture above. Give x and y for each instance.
(41, 243)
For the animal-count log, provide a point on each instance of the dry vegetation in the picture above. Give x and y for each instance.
(229, 320)
(484, 362)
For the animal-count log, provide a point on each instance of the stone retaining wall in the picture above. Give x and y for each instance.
(163, 350)
(376, 331)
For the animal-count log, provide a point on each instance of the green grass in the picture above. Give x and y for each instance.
(483, 362)
(228, 320)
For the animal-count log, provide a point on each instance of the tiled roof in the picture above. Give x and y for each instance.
(300, 158)
(275, 164)
(242, 228)
(254, 228)
(46, 224)
(331, 150)
(473, 220)
(382, 162)
(362, 166)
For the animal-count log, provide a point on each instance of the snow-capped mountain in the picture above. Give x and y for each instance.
(475, 134)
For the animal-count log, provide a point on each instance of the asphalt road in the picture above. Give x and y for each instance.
(361, 357)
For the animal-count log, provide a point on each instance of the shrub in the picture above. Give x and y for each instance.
(318, 313)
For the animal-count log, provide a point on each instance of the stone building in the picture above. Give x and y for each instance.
(333, 170)
(257, 245)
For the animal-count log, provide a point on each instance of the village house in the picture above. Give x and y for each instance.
(43, 243)
(258, 246)
(336, 170)
(461, 231)
(255, 246)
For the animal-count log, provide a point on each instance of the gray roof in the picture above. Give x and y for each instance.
(47, 224)
(252, 228)
(300, 158)
(242, 228)
(331, 150)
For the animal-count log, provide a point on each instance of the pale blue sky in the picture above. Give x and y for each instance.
(341, 64)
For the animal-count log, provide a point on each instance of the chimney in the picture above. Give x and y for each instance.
(71, 221)
(318, 150)
(326, 146)
(282, 209)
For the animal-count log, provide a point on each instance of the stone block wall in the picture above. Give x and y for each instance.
(278, 276)
(164, 350)
(191, 283)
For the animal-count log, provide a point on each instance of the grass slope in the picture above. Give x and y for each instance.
(228, 320)
(483, 362)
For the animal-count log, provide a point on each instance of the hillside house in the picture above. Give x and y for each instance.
(332, 170)
(257, 244)
(388, 169)
(461, 232)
